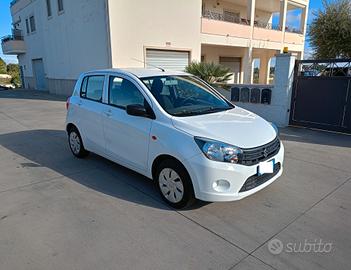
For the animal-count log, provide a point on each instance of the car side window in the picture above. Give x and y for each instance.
(92, 87)
(123, 92)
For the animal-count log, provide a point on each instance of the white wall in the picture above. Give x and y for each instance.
(278, 111)
(69, 43)
(136, 25)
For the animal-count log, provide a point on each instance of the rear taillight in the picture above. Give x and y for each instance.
(67, 103)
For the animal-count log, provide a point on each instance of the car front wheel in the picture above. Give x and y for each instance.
(174, 184)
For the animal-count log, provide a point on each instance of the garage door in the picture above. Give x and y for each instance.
(173, 60)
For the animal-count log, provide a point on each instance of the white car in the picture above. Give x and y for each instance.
(175, 129)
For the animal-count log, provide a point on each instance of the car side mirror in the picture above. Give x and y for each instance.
(137, 110)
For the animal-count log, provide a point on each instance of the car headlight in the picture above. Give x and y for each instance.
(219, 151)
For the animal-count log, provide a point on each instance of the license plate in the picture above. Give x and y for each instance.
(266, 167)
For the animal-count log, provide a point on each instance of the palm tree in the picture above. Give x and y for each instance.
(210, 72)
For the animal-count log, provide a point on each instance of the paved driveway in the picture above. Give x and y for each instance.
(58, 212)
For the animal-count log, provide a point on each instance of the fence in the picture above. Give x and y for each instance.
(272, 102)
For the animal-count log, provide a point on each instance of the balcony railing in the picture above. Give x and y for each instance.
(292, 29)
(16, 35)
(224, 17)
(13, 44)
(268, 26)
(236, 19)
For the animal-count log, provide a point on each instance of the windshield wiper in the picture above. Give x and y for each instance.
(214, 110)
(201, 111)
(185, 113)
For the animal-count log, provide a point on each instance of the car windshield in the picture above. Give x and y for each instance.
(185, 95)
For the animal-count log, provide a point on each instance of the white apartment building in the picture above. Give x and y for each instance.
(56, 40)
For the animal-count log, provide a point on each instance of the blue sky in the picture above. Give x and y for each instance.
(5, 22)
(5, 27)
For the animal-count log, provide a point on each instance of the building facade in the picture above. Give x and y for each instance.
(56, 40)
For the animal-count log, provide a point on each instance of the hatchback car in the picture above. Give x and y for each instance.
(175, 129)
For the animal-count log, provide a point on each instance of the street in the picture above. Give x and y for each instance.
(59, 212)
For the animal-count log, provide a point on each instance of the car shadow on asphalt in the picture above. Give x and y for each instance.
(49, 149)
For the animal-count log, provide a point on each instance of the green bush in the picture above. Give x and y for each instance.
(2, 66)
(13, 70)
(210, 72)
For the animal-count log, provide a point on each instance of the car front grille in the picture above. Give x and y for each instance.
(253, 156)
(257, 180)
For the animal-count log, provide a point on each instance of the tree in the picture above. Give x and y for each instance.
(13, 70)
(209, 72)
(330, 30)
(2, 66)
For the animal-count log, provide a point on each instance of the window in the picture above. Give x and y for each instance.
(185, 95)
(27, 26)
(32, 24)
(60, 5)
(48, 7)
(123, 92)
(92, 88)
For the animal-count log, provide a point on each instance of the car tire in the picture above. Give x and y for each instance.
(174, 184)
(75, 143)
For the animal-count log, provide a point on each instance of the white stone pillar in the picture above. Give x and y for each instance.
(281, 94)
(264, 69)
(251, 6)
(283, 13)
(247, 66)
(282, 20)
(303, 24)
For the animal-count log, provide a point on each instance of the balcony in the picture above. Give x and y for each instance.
(233, 28)
(225, 25)
(13, 44)
(267, 32)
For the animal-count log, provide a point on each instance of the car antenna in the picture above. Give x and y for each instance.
(162, 69)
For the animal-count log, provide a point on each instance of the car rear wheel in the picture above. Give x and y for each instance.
(76, 143)
(174, 184)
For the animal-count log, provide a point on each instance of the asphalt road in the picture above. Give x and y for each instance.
(58, 212)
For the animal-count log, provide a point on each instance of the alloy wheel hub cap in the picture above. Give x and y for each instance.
(171, 185)
(74, 142)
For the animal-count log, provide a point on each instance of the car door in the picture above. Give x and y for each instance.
(90, 113)
(126, 136)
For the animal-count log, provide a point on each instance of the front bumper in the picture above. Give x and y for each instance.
(205, 173)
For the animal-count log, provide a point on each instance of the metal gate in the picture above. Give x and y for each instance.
(321, 96)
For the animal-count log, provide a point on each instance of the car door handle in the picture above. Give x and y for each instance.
(108, 113)
(80, 103)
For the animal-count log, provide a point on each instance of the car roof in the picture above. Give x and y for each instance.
(140, 72)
